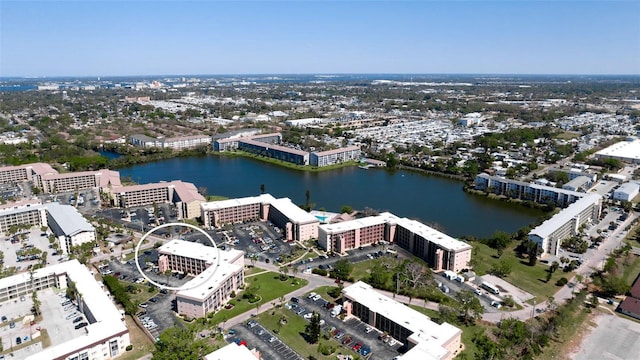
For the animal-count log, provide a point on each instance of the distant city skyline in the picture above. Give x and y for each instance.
(128, 38)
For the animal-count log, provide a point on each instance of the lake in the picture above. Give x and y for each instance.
(433, 200)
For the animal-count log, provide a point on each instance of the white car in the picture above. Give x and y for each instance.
(308, 315)
(311, 295)
(316, 298)
(392, 342)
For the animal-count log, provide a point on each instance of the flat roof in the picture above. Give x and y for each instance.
(293, 211)
(209, 281)
(70, 175)
(68, 219)
(223, 204)
(283, 205)
(274, 146)
(108, 318)
(441, 239)
(579, 181)
(627, 188)
(340, 227)
(22, 203)
(625, 149)
(430, 336)
(190, 250)
(231, 351)
(549, 226)
(337, 151)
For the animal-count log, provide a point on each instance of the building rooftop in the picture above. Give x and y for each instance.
(191, 250)
(283, 205)
(627, 188)
(71, 222)
(340, 227)
(232, 351)
(549, 226)
(441, 239)
(200, 287)
(428, 336)
(108, 320)
(223, 204)
(22, 203)
(273, 146)
(293, 211)
(337, 151)
(187, 192)
(624, 149)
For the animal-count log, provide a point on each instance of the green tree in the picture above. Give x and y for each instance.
(471, 308)
(346, 209)
(180, 343)
(342, 269)
(502, 268)
(312, 330)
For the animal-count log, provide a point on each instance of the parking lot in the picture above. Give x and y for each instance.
(18, 250)
(352, 332)
(269, 345)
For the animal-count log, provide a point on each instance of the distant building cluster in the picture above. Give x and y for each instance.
(182, 194)
(439, 250)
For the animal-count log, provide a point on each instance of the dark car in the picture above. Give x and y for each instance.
(81, 325)
(78, 319)
(293, 300)
(153, 300)
(18, 340)
(4, 318)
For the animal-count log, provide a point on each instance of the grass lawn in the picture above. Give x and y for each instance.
(253, 270)
(141, 343)
(631, 268)
(291, 334)
(467, 331)
(567, 135)
(143, 295)
(271, 288)
(529, 278)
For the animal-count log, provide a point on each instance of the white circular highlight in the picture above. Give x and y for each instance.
(191, 286)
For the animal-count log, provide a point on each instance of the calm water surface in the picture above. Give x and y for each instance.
(433, 200)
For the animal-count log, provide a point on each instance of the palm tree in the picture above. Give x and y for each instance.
(36, 303)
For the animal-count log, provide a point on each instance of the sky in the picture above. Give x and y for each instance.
(145, 37)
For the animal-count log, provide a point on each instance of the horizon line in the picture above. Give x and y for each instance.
(318, 74)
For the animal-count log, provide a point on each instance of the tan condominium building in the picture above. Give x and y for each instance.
(217, 273)
(26, 172)
(423, 338)
(296, 223)
(67, 182)
(106, 335)
(184, 195)
(550, 234)
(336, 156)
(439, 250)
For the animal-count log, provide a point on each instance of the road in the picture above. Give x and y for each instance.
(591, 264)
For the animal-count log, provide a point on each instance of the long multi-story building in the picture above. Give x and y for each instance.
(106, 335)
(32, 215)
(58, 183)
(279, 152)
(186, 257)
(296, 223)
(217, 275)
(526, 191)
(550, 234)
(439, 250)
(176, 143)
(26, 172)
(184, 195)
(423, 338)
(336, 156)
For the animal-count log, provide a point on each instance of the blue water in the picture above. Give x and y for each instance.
(436, 201)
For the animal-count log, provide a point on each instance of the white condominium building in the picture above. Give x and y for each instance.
(550, 234)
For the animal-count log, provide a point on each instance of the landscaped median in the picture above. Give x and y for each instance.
(266, 287)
